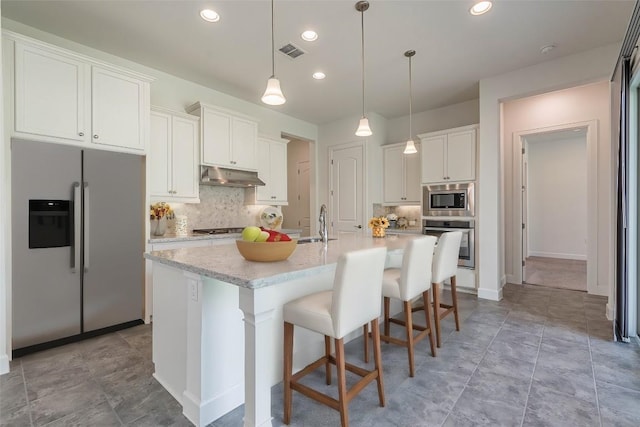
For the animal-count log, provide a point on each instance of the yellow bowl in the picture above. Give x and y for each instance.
(266, 251)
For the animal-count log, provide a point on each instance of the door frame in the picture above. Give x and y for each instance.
(365, 188)
(592, 201)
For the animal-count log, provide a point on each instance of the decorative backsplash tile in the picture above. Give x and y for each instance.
(412, 213)
(219, 207)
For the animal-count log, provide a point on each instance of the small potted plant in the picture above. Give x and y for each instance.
(378, 225)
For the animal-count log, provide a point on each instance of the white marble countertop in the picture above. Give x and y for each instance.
(168, 237)
(224, 262)
(408, 230)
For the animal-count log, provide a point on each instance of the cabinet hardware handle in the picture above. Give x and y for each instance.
(80, 133)
(95, 136)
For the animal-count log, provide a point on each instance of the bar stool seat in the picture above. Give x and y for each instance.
(353, 302)
(406, 284)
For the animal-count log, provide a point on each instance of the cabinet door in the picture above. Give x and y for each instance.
(393, 174)
(278, 164)
(216, 138)
(461, 156)
(263, 192)
(160, 155)
(50, 94)
(117, 109)
(244, 137)
(433, 155)
(185, 158)
(412, 187)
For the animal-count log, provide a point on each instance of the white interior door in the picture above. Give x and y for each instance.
(525, 213)
(303, 207)
(346, 189)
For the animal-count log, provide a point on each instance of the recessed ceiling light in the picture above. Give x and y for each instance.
(309, 36)
(480, 8)
(319, 75)
(548, 48)
(209, 15)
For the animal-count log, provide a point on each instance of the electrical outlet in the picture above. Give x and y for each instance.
(194, 291)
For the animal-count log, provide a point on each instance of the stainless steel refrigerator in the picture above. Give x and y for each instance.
(77, 243)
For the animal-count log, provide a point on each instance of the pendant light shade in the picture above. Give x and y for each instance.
(410, 148)
(273, 94)
(363, 126)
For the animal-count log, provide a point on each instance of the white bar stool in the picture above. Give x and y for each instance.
(445, 266)
(353, 302)
(406, 284)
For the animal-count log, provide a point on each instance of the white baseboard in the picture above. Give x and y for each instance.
(609, 312)
(4, 364)
(204, 413)
(577, 257)
(490, 294)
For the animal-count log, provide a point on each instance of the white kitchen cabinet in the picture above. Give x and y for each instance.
(63, 97)
(229, 139)
(401, 175)
(173, 157)
(272, 169)
(449, 155)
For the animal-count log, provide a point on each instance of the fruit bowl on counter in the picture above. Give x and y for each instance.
(263, 245)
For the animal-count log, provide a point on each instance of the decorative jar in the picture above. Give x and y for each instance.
(378, 232)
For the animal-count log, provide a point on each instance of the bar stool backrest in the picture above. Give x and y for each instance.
(415, 275)
(445, 259)
(357, 289)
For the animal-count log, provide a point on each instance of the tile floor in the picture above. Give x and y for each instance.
(539, 357)
(557, 273)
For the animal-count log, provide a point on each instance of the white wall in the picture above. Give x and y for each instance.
(570, 71)
(452, 116)
(5, 308)
(557, 198)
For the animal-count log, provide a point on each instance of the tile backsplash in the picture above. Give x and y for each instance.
(219, 207)
(409, 212)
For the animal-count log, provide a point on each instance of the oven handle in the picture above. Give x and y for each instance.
(446, 229)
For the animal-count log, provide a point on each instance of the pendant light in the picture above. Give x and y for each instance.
(273, 94)
(410, 148)
(363, 126)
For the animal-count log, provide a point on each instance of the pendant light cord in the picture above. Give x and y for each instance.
(362, 32)
(410, 100)
(273, 45)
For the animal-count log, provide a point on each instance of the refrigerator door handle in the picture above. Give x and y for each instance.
(86, 227)
(77, 210)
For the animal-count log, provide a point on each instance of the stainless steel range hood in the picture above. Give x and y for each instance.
(213, 175)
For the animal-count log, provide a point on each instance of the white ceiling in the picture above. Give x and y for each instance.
(454, 49)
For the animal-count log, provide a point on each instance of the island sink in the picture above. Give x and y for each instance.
(312, 240)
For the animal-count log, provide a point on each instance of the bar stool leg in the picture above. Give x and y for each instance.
(427, 314)
(378, 359)
(342, 383)
(454, 297)
(327, 353)
(408, 323)
(436, 310)
(387, 302)
(288, 367)
(365, 334)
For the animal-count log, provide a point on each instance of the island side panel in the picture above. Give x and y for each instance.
(169, 329)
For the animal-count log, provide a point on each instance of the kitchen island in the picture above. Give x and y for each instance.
(217, 322)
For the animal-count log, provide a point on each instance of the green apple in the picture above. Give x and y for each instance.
(263, 236)
(251, 233)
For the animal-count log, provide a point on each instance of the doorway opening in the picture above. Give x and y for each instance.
(554, 208)
(297, 215)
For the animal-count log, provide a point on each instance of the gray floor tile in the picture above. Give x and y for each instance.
(498, 388)
(619, 399)
(612, 418)
(509, 335)
(12, 391)
(547, 407)
(578, 384)
(16, 417)
(514, 349)
(474, 407)
(55, 406)
(99, 415)
(55, 380)
(507, 365)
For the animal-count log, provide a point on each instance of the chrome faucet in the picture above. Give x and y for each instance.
(324, 234)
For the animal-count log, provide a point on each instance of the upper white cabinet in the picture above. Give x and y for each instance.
(272, 169)
(173, 156)
(449, 155)
(401, 176)
(61, 96)
(229, 139)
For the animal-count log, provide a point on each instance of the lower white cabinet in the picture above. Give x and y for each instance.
(401, 175)
(174, 157)
(272, 169)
